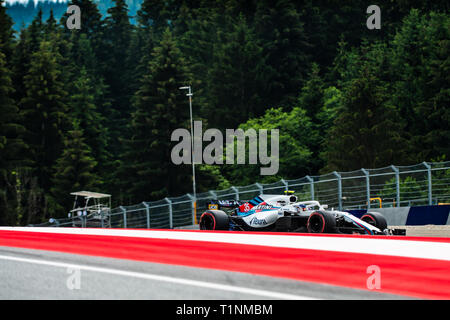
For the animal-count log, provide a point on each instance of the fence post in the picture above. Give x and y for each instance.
(147, 211)
(194, 218)
(124, 216)
(430, 191)
(236, 191)
(397, 182)
(286, 184)
(366, 173)
(260, 187)
(338, 176)
(311, 186)
(170, 212)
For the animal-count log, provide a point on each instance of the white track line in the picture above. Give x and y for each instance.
(181, 281)
(383, 246)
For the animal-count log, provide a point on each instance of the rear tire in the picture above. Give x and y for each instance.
(214, 220)
(321, 222)
(375, 219)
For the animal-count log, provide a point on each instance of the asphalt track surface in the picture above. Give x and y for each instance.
(58, 263)
(37, 274)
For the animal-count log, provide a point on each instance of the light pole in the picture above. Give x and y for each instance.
(190, 94)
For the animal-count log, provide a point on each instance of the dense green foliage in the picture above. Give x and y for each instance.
(95, 108)
(147, 168)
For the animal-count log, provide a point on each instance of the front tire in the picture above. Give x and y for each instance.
(321, 222)
(214, 220)
(375, 219)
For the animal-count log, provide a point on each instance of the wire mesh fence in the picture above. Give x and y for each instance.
(393, 186)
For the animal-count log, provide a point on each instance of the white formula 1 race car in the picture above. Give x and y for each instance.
(284, 213)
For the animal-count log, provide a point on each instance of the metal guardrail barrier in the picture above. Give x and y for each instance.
(393, 186)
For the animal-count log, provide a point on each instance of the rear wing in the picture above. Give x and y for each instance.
(224, 204)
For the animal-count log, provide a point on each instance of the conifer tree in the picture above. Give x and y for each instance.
(91, 19)
(29, 42)
(12, 148)
(36, 31)
(435, 107)
(44, 108)
(311, 95)
(419, 70)
(6, 33)
(235, 78)
(10, 143)
(73, 170)
(311, 99)
(82, 57)
(93, 27)
(50, 25)
(281, 34)
(154, 15)
(84, 111)
(148, 172)
(368, 131)
(117, 39)
(117, 73)
(197, 45)
(152, 19)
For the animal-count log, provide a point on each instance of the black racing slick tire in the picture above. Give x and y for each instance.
(375, 219)
(214, 220)
(321, 222)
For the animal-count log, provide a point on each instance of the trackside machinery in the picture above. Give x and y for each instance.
(286, 214)
(91, 209)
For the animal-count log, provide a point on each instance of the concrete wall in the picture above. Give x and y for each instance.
(412, 216)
